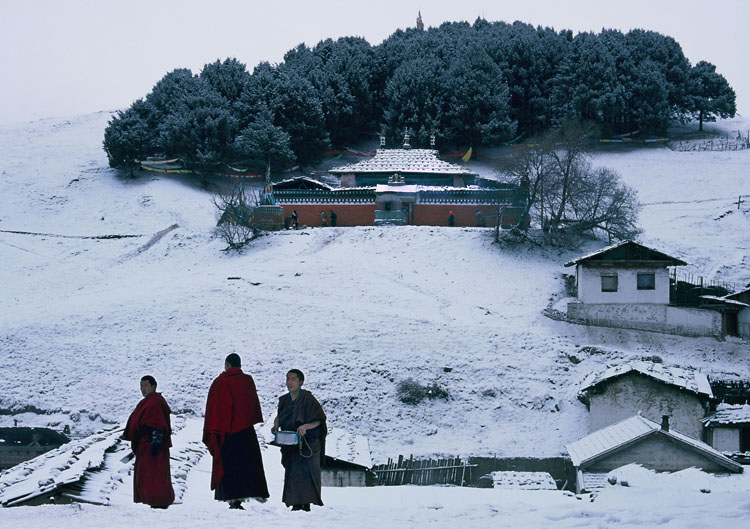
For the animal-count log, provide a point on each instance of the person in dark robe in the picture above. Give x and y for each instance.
(299, 411)
(295, 219)
(333, 218)
(232, 408)
(451, 219)
(150, 434)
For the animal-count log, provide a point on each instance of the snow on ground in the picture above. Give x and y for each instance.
(357, 309)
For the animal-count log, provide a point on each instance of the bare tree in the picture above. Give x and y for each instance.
(235, 225)
(569, 196)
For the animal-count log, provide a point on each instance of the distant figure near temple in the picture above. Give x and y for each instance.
(451, 219)
(149, 431)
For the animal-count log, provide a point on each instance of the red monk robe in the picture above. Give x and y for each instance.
(152, 482)
(232, 408)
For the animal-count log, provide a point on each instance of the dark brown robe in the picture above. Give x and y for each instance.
(302, 466)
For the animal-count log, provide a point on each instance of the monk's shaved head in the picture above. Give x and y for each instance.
(234, 360)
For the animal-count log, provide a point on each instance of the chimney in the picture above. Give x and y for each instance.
(665, 423)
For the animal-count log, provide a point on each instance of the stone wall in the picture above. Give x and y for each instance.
(625, 396)
(684, 321)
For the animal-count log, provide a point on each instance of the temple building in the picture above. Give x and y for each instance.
(405, 187)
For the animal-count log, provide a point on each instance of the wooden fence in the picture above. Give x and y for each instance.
(452, 471)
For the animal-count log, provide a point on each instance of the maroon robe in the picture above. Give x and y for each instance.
(232, 408)
(302, 484)
(152, 482)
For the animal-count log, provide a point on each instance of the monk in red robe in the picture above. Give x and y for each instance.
(150, 435)
(232, 408)
(299, 411)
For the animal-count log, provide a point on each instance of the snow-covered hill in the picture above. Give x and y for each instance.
(357, 309)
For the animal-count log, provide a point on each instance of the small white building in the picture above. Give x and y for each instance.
(628, 285)
(639, 440)
(728, 429)
(651, 389)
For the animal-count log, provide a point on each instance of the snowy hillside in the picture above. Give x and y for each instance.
(101, 288)
(357, 309)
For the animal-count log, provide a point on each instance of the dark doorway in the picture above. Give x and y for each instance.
(731, 325)
(745, 440)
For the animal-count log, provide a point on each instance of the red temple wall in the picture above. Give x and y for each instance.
(348, 214)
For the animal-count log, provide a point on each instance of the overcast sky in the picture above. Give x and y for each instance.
(62, 58)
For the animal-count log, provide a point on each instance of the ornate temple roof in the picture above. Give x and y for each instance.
(404, 161)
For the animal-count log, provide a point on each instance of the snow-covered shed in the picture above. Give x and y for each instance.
(19, 444)
(728, 428)
(347, 460)
(650, 444)
(652, 389)
(628, 285)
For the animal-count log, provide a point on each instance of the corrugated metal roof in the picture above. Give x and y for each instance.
(606, 440)
(727, 414)
(403, 161)
(609, 438)
(689, 379)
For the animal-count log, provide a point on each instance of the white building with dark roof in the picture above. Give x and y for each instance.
(628, 285)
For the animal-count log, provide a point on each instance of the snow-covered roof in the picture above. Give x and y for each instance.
(611, 438)
(688, 379)
(315, 184)
(91, 468)
(635, 246)
(56, 468)
(723, 299)
(738, 293)
(404, 161)
(511, 479)
(729, 414)
(344, 446)
(385, 188)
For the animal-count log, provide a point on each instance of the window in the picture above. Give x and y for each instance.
(609, 283)
(646, 281)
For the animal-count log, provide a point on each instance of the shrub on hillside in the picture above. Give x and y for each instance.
(410, 391)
